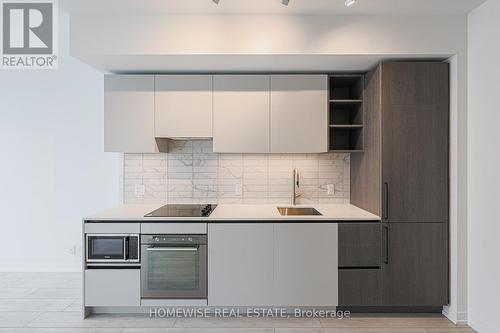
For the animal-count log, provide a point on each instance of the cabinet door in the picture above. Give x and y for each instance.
(112, 287)
(240, 264)
(129, 118)
(306, 260)
(415, 163)
(415, 83)
(415, 139)
(360, 273)
(360, 245)
(299, 114)
(415, 272)
(241, 113)
(360, 286)
(183, 106)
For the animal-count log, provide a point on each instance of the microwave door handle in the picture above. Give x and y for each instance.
(172, 249)
(125, 247)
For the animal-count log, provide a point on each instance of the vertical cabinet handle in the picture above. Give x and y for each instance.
(386, 228)
(386, 201)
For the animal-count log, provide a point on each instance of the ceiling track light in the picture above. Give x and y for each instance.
(349, 3)
(285, 2)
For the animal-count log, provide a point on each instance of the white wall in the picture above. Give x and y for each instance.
(457, 311)
(185, 43)
(53, 170)
(483, 167)
(159, 34)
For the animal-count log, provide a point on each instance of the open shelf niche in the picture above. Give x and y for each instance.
(346, 113)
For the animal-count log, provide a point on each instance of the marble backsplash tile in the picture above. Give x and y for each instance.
(191, 172)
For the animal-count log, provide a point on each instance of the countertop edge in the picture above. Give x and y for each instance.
(227, 213)
(226, 220)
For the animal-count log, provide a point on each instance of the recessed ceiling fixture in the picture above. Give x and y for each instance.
(349, 3)
(285, 2)
(216, 1)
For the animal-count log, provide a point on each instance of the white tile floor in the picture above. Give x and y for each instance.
(51, 303)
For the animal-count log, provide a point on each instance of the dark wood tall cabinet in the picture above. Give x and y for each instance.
(415, 125)
(403, 177)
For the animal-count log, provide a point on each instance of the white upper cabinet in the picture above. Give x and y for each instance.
(241, 113)
(129, 120)
(299, 113)
(183, 106)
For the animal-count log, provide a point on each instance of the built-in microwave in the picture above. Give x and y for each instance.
(112, 248)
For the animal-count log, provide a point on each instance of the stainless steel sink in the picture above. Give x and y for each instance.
(298, 211)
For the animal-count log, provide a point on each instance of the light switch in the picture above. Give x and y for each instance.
(330, 189)
(238, 190)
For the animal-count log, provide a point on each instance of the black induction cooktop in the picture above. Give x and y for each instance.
(183, 210)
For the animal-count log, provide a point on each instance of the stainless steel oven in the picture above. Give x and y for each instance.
(174, 266)
(112, 248)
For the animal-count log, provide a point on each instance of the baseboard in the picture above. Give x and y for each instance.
(480, 326)
(391, 309)
(41, 267)
(458, 318)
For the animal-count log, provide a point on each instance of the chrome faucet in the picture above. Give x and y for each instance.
(296, 185)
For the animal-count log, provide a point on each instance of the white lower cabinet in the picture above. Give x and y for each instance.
(273, 264)
(112, 287)
(240, 264)
(306, 264)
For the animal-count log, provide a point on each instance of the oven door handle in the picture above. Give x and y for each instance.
(172, 249)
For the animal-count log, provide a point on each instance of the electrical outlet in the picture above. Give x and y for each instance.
(238, 190)
(72, 250)
(139, 190)
(330, 189)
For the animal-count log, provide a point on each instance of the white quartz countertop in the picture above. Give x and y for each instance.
(236, 212)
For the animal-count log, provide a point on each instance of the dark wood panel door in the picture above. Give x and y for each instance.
(415, 269)
(360, 287)
(415, 163)
(360, 245)
(415, 83)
